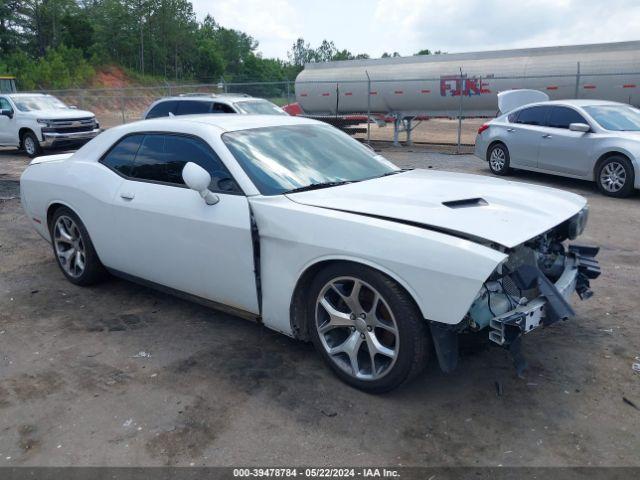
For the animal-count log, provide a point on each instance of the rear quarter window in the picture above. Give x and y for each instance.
(121, 156)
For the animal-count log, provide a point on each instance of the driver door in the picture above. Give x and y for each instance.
(7, 125)
(168, 235)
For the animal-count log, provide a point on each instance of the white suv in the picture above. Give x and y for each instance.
(203, 103)
(34, 121)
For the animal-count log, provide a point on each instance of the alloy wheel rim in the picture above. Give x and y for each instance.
(29, 145)
(613, 177)
(69, 246)
(357, 328)
(497, 159)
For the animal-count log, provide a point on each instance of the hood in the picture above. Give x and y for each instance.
(472, 206)
(628, 135)
(59, 114)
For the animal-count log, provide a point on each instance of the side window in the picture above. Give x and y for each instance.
(191, 107)
(161, 158)
(222, 108)
(513, 117)
(180, 150)
(162, 109)
(532, 116)
(562, 117)
(4, 104)
(120, 158)
(150, 162)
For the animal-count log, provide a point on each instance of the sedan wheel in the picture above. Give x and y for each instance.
(69, 247)
(499, 159)
(615, 177)
(73, 249)
(357, 328)
(366, 327)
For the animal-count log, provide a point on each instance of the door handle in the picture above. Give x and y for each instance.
(128, 195)
(511, 129)
(546, 135)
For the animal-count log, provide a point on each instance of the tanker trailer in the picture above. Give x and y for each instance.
(404, 89)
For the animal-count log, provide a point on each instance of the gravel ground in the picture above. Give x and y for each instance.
(122, 375)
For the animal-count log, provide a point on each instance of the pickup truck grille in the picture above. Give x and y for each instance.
(72, 125)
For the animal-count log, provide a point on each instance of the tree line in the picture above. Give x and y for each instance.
(60, 43)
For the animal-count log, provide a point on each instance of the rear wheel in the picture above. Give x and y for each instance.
(615, 177)
(366, 327)
(499, 161)
(31, 145)
(74, 250)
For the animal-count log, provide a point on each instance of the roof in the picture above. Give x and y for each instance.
(208, 97)
(573, 102)
(26, 94)
(228, 122)
(580, 102)
(447, 57)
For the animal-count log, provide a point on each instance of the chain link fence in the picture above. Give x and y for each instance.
(454, 105)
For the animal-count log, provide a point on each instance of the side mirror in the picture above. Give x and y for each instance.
(198, 179)
(6, 112)
(579, 127)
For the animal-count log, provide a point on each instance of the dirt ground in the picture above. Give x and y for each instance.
(121, 375)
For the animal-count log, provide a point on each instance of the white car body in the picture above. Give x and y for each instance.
(52, 127)
(441, 254)
(560, 151)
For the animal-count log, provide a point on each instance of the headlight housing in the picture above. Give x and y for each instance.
(44, 122)
(577, 223)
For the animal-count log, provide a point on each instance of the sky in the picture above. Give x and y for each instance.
(407, 26)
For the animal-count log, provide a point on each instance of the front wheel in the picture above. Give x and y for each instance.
(615, 177)
(499, 161)
(366, 327)
(31, 145)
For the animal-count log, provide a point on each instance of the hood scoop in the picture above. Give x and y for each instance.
(466, 203)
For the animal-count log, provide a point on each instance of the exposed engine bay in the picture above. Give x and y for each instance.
(531, 288)
(542, 268)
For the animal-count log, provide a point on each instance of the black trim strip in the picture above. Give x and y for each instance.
(255, 243)
(452, 233)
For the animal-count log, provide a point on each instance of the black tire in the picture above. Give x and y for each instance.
(412, 349)
(93, 271)
(502, 165)
(30, 144)
(611, 169)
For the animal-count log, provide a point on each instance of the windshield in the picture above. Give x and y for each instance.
(619, 118)
(260, 107)
(37, 102)
(282, 158)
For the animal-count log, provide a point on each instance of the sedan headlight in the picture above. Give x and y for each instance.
(578, 223)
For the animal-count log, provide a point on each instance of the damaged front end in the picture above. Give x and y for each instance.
(531, 288)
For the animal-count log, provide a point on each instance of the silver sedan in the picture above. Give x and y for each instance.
(586, 139)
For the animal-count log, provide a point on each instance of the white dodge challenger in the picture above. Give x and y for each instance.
(294, 224)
